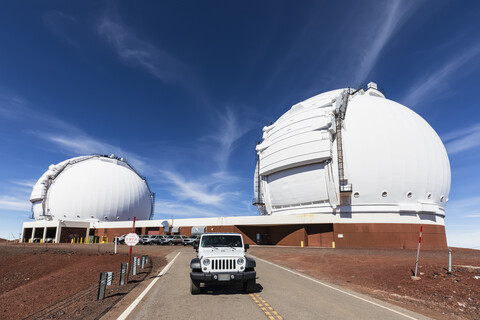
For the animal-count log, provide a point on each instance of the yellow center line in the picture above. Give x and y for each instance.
(261, 303)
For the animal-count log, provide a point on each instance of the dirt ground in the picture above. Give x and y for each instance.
(46, 281)
(385, 274)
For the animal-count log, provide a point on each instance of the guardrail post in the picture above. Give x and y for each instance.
(449, 260)
(123, 273)
(109, 278)
(102, 285)
(134, 266)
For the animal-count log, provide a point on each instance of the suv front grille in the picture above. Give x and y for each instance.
(224, 264)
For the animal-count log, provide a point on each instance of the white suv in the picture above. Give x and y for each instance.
(221, 257)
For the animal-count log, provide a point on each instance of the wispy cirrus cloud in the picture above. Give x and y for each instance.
(14, 203)
(165, 209)
(11, 106)
(230, 129)
(168, 208)
(16, 108)
(394, 14)
(216, 186)
(68, 137)
(17, 188)
(134, 50)
(209, 190)
(15, 195)
(464, 207)
(439, 80)
(207, 193)
(461, 230)
(59, 23)
(25, 183)
(463, 139)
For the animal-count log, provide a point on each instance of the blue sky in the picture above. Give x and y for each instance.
(182, 89)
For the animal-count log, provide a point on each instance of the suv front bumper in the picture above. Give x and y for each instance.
(214, 277)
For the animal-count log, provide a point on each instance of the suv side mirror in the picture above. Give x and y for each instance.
(247, 246)
(195, 246)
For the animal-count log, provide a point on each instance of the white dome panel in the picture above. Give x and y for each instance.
(303, 185)
(390, 149)
(92, 188)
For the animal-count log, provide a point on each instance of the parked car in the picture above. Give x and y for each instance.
(49, 240)
(165, 240)
(174, 240)
(140, 238)
(147, 239)
(120, 240)
(191, 240)
(36, 239)
(157, 240)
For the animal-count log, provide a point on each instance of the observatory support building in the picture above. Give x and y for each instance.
(371, 166)
(72, 195)
(346, 169)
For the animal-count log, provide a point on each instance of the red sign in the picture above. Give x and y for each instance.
(131, 239)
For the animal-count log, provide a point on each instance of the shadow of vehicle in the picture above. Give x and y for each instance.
(227, 288)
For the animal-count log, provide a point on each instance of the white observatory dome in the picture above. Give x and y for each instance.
(347, 151)
(96, 188)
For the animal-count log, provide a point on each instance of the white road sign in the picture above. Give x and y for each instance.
(131, 239)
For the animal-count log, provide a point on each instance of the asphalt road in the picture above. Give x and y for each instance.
(280, 294)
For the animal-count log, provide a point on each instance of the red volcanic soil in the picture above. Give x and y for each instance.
(385, 274)
(61, 280)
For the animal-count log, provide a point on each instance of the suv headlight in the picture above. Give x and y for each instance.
(240, 261)
(206, 262)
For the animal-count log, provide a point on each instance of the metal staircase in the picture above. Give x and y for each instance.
(345, 187)
(258, 200)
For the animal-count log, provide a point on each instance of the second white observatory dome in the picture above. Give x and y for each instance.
(97, 188)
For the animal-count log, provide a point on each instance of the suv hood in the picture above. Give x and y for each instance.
(223, 251)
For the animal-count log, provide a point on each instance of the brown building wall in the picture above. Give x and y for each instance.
(187, 231)
(220, 229)
(389, 235)
(361, 235)
(250, 234)
(154, 231)
(326, 239)
(112, 233)
(319, 235)
(292, 235)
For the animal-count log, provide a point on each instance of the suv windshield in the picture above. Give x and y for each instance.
(222, 241)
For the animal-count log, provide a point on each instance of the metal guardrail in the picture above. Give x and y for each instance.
(106, 278)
